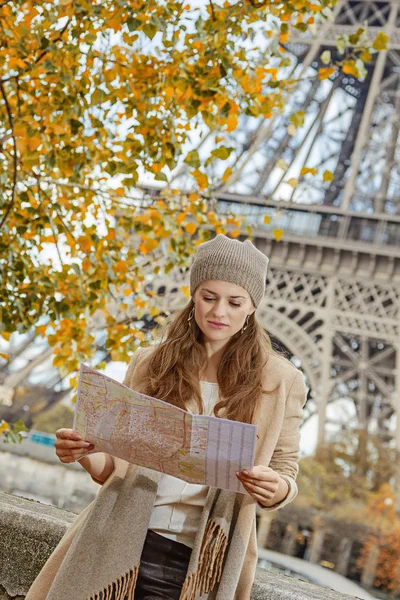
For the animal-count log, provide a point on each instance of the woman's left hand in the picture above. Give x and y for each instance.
(263, 484)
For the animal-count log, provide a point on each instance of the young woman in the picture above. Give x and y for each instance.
(150, 536)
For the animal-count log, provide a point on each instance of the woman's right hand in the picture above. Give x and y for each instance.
(70, 446)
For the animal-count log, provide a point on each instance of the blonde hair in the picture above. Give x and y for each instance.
(176, 362)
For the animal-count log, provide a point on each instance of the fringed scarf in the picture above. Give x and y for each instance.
(100, 552)
(99, 555)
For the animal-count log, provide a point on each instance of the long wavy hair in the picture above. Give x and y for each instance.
(176, 362)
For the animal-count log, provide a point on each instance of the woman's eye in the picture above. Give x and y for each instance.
(210, 299)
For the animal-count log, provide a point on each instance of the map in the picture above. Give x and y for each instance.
(155, 434)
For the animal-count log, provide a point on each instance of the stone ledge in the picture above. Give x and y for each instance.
(29, 532)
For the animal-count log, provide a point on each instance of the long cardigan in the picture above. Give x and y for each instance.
(278, 418)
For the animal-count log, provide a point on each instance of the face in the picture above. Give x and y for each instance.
(221, 302)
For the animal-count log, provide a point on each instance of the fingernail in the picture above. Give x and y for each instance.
(87, 444)
(245, 472)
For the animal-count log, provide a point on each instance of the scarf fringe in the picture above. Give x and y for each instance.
(210, 563)
(123, 587)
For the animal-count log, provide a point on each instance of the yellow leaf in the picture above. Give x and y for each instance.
(5, 356)
(201, 178)
(121, 267)
(267, 219)
(4, 426)
(350, 68)
(227, 174)
(325, 72)
(191, 228)
(278, 233)
(381, 41)
(185, 289)
(281, 164)
(194, 197)
(235, 233)
(169, 91)
(328, 176)
(232, 122)
(308, 170)
(143, 248)
(127, 291)
(291, 129)
(293, 182)
(180, 218)
(41, 330)
(6, 335)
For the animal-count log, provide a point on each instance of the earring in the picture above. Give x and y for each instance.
(247, 319)
(191, 314)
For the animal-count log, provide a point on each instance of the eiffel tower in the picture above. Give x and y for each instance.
(333, 289)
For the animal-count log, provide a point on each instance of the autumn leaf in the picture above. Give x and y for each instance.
(201, 178)
(278, 233)
(325, 72)
(227, 174)
(328, 176)
(381, 41)
(308, 170)
(292, 182)
(191, 228)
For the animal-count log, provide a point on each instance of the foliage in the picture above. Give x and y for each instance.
(345, 472)
(381, 514)
(97, 96)
(12, 433)
(58, 416)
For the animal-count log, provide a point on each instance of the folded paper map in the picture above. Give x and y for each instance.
(152, 433)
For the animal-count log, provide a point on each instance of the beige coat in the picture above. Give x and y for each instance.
(278, 443)
(278, 420)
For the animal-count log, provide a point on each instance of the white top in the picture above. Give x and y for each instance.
(178, 505)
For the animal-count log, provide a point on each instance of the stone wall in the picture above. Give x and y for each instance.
(33, 471)
(29, 531)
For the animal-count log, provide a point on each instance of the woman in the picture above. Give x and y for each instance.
(151, 536)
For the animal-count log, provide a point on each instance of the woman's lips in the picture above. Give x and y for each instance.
(216, 326)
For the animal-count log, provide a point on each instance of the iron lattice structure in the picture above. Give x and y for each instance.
(333, 291)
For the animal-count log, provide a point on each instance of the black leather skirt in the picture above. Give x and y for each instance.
(162, 569)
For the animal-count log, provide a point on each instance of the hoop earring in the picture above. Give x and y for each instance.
(243, 328)
(191, 314)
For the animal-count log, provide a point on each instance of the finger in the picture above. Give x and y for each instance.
(65, 434)
(267, 485)
(73, 451)
(261, 475)
(68, 457)
(71, 444)
(256, 489)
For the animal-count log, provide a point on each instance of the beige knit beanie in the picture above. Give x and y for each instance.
(227, 259)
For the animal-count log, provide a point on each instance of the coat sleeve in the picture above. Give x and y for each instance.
(126, 381)
(286, 454)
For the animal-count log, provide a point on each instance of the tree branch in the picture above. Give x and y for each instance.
(15, 157)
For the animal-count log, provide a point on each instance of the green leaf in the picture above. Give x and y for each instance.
(19, 426)
(193, 159)
(223, 152)
(161, 177)
(133, 24)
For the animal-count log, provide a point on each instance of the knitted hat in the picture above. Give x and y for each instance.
(227, 259)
